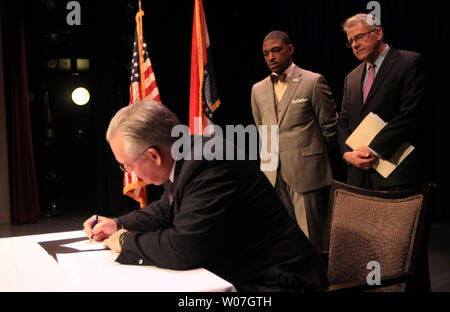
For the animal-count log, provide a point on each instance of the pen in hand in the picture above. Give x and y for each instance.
(95, 223)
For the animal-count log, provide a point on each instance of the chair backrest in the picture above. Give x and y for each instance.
(371, 226)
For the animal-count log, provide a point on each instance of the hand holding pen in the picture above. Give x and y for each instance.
(104, 227)
(93, 226)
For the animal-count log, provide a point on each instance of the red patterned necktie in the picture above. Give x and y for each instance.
(369, 82)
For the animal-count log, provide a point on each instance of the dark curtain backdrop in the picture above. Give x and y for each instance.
(24, 190)
(236, 30)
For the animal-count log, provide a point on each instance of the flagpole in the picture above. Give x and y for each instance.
(139, 16)
(142, 86)
(198, 15)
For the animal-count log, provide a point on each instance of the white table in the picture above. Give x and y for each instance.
(26, 266)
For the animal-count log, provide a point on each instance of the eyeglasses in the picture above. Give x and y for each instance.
(358, 38)
(126, 168)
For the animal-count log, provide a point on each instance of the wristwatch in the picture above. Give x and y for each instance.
(119, 225)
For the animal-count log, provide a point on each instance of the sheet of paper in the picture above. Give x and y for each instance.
(386, 167)
(366, 131)
(363, 136)
(85, 245)
(86, 260)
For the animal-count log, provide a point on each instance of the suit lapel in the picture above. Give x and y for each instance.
(294, 82)
(178, 166)
(360, 74)
(269, 106)
(355, 82)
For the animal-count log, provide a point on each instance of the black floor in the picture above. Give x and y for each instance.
(439, 245)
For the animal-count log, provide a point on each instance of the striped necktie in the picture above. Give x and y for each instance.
(369, 82)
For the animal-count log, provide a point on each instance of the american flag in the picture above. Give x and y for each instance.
(151, 89)
(142, 86)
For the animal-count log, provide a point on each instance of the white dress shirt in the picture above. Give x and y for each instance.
(280, 87)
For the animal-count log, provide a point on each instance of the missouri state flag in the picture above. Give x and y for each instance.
(204, 99)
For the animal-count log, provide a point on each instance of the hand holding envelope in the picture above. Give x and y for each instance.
(360, 139)
(361, 158)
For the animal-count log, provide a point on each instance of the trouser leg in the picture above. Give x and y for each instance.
(316, 207)
(293, 202)
(309, 209)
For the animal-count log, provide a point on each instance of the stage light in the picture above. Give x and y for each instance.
(80, 96)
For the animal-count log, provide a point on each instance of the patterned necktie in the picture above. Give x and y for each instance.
(275, 77)
(170, 184)
(369, 82)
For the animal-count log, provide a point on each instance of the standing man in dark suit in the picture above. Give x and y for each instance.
(390, 83)
(301, 104)
(222, 215)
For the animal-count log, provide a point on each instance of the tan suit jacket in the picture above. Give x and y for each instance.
(307, 120)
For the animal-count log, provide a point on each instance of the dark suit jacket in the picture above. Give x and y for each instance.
(227, 218)
(396, 96)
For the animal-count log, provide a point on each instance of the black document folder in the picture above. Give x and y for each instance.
(55, 247)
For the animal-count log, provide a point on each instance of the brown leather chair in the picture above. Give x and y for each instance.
(390, 228)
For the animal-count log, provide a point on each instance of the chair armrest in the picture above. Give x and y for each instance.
(358, 286)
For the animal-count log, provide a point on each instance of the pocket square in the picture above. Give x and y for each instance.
(298, 101)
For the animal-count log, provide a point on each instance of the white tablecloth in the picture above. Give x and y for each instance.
(26, 266)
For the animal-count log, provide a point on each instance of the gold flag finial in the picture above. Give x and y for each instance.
(140, 5)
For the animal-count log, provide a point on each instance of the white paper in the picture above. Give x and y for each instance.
(85, 245)
(386, 167)
(86, 260)
(366, 131)
(363, 136)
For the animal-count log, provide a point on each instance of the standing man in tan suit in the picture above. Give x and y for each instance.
(301, 104)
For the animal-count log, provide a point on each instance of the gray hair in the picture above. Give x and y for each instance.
(371, 21)
(143, 124)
